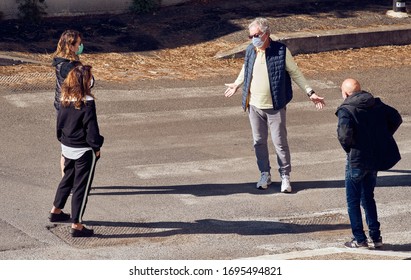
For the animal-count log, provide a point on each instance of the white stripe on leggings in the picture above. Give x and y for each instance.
(88, 186)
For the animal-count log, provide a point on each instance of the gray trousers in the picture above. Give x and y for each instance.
(261, 120)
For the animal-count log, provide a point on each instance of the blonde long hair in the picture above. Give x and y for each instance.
(67, 39)
(77, 86)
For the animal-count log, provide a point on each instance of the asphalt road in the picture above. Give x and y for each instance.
(177, 174)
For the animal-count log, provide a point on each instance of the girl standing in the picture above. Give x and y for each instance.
(78, 132)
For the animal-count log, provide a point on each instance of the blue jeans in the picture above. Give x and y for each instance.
(359, 186)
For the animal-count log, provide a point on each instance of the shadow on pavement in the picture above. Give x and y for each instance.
(230, 189)
(397, 247)
(212, 226)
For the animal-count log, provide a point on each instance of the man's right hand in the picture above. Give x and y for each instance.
(231, 90)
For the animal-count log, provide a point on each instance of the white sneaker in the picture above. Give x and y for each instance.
(264, 181)
(285, 184)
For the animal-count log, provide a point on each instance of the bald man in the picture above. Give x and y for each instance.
(349, 86)
(365, 131)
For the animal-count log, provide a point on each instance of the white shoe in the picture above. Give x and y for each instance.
(285, 184)
(264, 181)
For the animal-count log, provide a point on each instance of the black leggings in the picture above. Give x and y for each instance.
(78, 176)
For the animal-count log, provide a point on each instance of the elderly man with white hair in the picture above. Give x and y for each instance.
(266, 78)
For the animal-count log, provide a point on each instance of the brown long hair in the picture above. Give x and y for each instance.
(67, 39)
(76, 86)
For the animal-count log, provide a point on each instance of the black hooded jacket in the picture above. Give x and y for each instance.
(63, 67)
(78, 128)
(365, 130)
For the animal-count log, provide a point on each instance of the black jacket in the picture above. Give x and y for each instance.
(78, 128)
(63, 67)
(365, 130)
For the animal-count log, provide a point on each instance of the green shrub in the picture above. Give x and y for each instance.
(144, 6)
(31, 11)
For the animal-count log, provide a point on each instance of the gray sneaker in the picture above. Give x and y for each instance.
(358, 245)
(375, 244)
(265, 180)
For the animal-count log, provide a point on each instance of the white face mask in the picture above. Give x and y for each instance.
(92, 82)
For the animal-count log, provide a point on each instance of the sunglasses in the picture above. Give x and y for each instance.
(255, 36)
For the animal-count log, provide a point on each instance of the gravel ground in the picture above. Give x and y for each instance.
(164, 44)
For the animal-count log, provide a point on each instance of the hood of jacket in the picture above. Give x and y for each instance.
(360, 100)
(58, 60)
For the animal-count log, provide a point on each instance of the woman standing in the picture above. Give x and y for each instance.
(65, 58)
(78, 132)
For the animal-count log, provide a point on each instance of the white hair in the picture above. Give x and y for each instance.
(262, 24)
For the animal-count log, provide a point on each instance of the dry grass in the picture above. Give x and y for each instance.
(197, 61)
(365, 58)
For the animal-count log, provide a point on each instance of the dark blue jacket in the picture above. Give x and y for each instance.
(365, 130)
(280, 80)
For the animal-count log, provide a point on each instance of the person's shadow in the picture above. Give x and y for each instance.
(230, 189)
(215, 226)
(210, 226)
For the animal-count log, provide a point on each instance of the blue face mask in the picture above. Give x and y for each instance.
(257, 42)
(80, 49)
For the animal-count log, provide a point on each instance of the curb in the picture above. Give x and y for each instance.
(333, 251)
(320, 41)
